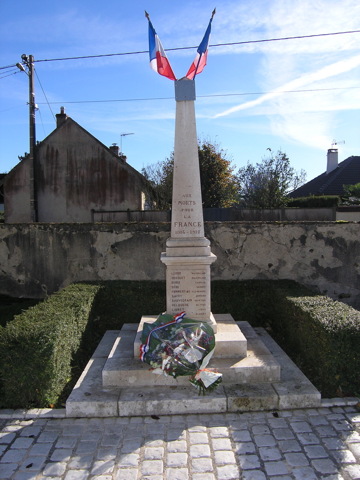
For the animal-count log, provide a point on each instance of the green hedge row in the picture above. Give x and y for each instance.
(38, 346)
(44, 349)
(323, 337)
(320, 201)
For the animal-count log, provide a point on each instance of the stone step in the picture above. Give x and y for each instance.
(229, 340)
(258, 366)
(90, 398)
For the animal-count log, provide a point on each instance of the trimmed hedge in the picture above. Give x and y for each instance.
(37, 347)
(312, 201)
(322, 336)
(43, 350)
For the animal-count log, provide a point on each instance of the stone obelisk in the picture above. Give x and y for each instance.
(188, 256)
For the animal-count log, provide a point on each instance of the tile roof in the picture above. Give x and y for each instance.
(346, 173)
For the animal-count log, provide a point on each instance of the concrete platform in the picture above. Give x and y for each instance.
(98, 392)
(230, 341)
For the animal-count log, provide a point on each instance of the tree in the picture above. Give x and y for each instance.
(352, 194)
(218, 184)
(267, 184)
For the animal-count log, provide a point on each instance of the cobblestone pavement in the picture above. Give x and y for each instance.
(308, 444)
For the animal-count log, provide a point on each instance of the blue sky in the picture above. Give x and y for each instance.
(241, 105)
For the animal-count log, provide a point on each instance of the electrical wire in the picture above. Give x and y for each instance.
(200, 96)
(47, 101)
(10, 74)
(245, 42)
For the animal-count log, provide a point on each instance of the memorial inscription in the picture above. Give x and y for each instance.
(189, 290)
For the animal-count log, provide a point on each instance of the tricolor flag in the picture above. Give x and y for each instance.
(158, 60)
(201, 56)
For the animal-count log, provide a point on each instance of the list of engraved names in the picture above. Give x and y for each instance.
(189, 291)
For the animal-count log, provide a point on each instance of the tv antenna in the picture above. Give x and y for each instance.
(121, 137)
(334, 143)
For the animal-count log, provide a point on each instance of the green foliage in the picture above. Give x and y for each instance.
(37, 347)
(267, 184)
(218, 184)
(312, 201)
(352, 194)
(323, 337)
(44, 349)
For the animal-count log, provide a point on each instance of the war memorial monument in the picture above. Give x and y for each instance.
(256, 374)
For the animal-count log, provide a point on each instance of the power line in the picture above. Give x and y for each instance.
(199, 96)
(245, 42)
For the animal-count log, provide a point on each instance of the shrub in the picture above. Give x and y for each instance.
(322, 336)
(44, 349)
(37, 347)
(321, 201)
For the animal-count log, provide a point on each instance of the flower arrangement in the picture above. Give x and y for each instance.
(178, 346)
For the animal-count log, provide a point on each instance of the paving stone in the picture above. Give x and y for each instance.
(221, 444)
(301, 427)
(315, 451)
(246, 447)
(22, 443)
(177, 459)
(128, 460)
(76, 475)
(223, 457)
(253, 475)
(202, 464)
(276, 468)
(81, 461)
(353, 471)
(228, 472)
(324, 465)
(197, 451)
(177, 474)
(198, 437)
(296, 459)
(308, 439)
(343, 456)
(61, 455)
(241, 436)
(264, 440)
(176, 446)
(249, 462)
(54, 469)
(7, 469)
(269, 453)
(154, 453)
(203, 476)
(152, 467)
(305, 473)
(283, 434)
(127, 474)
(289, 446)
(355, 448)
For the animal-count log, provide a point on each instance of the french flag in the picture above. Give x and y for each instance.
(158, 59)
(200, 60)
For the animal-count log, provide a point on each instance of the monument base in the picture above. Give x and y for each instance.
(115, 384)
(229, 339)
(188, 285)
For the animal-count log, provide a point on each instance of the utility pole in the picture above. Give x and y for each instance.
(28, 61)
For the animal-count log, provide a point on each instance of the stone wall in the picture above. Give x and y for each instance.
(38, 259)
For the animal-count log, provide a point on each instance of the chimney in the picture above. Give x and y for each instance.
(332, 160)
(60, 117)
(115, 149)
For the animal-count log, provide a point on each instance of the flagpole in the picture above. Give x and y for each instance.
(198, 63)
